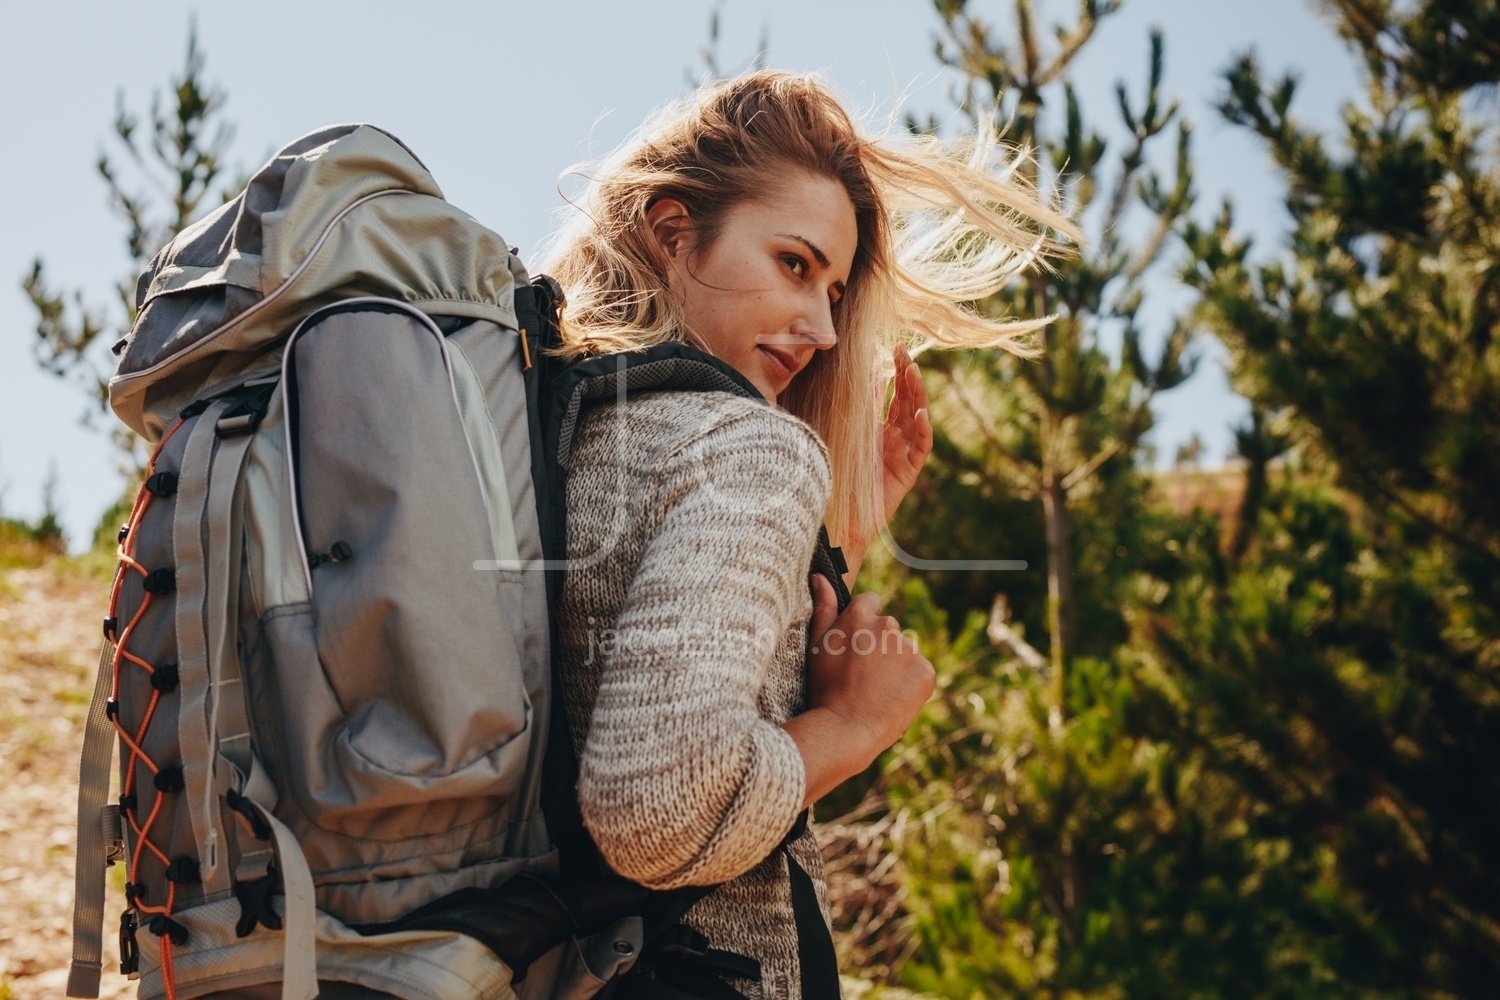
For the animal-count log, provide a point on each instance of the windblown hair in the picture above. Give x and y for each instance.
(939, 223)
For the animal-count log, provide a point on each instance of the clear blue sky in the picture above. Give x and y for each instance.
(498, 98)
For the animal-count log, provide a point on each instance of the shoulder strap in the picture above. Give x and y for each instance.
(574, 388)
(564, 394)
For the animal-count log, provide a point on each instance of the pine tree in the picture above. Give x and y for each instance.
(160, 176)
(1061, 432)
(1026, 815)
(1344, 679)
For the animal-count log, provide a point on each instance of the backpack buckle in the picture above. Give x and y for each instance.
(683, 941)
(247, 410)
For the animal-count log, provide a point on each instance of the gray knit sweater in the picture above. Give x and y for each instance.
(692, 518)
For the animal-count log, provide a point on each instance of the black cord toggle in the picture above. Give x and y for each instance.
(163, 484)
(169, 779)
(340, 552)
(164, 926)
(164, 678)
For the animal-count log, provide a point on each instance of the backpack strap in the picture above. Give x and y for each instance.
(570, 393)
(92, 858)
(201, 569)
(213, 726)
(816, 957)
(672, 365)
(222, 723)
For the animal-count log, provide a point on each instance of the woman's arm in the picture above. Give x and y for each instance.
(681, 780)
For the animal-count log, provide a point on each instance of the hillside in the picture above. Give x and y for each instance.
(50, 609)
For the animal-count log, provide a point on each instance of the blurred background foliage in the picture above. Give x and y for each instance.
(1236, 732)
(1240, 739)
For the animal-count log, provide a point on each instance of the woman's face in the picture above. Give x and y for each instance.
(762, 296)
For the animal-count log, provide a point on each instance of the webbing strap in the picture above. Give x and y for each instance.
(88, 867)
(299, 969)
(190, 556)
(228, 732)
(256, 786)
(819, 961)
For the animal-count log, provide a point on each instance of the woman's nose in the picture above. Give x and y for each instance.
(816, 325)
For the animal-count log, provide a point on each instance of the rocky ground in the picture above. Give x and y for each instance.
(49, 642)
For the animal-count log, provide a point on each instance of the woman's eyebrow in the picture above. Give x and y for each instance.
(818, 255)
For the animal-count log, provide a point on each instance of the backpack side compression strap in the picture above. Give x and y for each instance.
(93, 789)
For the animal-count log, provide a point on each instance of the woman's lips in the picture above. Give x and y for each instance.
(782, 365)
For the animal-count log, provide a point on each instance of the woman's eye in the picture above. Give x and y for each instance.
(795, 264)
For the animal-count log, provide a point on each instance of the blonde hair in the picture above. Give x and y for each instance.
(939, 223)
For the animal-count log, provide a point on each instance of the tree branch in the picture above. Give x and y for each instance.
(1002, 636)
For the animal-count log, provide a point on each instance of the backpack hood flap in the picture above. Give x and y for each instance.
(346, 210)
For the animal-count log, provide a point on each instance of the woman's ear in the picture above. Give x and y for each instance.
(671, 226)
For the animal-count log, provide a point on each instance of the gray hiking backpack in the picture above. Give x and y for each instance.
(330, 368)
(327, 650)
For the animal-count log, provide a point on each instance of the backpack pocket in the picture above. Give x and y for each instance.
(400, 683)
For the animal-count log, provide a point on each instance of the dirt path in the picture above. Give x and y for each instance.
(49, 640)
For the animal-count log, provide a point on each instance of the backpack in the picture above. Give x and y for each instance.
(327, 653)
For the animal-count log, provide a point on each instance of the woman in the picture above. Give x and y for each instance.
(755, 222)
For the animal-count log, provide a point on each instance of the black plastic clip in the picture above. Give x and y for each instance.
(258, 826)
(169, 780)
(184, 870)
(160, 581)
(246, 411)
(130, 955)
(111, 626)
(255, 904)
(683, 942)
(112, 709)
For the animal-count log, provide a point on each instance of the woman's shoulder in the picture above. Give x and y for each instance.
(674, 424)
(699, 415)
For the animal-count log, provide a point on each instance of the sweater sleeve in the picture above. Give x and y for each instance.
(681, 781)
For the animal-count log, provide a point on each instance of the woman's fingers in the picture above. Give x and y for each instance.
(825, 607)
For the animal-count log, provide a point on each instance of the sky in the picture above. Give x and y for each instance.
(498, 99)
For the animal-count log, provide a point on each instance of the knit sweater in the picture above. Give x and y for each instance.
(692, 519)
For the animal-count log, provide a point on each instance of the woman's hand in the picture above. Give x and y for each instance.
(866, 681)
(905, 444)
